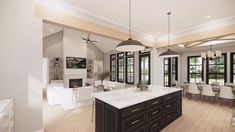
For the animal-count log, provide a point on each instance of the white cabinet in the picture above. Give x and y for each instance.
(6, 115)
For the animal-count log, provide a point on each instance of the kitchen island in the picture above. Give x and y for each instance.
(130, 110)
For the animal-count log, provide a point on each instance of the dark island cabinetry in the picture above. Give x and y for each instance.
(150, 116)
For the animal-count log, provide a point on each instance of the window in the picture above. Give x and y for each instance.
(113, 67)
(170, 71)
(130, 67)
(120, 67)
(167, 68)
(174, 70)
(195, 69)
(144, 68)
(232, 67)
(216, 70)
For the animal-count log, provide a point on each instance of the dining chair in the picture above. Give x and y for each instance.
(208, 92)
(226, 94)
(193, 90)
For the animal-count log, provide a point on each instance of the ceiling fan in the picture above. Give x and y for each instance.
(88, 40)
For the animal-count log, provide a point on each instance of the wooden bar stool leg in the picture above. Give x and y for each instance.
(93, 107)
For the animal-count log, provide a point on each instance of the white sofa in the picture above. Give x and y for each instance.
(84, 93)
(59, 95)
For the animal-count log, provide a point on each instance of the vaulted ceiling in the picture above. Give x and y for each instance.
(149, 17)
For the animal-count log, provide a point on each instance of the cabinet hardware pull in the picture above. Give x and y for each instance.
(168, 106)
(155, 112)
(155, 125)
(134, 122)
(135, 110)
(168, 116)
(168, 98)
(155, 102)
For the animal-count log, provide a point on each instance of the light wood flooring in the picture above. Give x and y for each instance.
(197, 117)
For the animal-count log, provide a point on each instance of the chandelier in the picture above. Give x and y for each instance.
(210, 54)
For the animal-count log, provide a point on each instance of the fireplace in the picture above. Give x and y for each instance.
(75, 83)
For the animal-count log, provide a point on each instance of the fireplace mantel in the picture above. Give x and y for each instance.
(74, 76)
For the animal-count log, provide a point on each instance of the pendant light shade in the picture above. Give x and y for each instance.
(130, 44)
(169, 53)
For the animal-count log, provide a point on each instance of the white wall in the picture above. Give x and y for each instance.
(52, 45)
(94, 53)
(74, 46)
(21, 62)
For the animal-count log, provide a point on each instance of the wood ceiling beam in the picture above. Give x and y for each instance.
(224, 31)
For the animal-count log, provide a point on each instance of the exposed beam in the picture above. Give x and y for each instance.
(196, 37)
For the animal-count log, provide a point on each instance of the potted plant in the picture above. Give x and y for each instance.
(102, 76)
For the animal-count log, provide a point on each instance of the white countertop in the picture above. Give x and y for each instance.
(130, 96)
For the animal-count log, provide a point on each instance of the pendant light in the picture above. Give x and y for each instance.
(169, 53)
(130, 44)
(210, 54)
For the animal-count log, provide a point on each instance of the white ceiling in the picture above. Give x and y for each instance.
(104, 44)
(149, 17)
(49, 29)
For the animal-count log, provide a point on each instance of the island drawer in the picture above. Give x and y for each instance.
(154, 126)
(178, 101)
(131, 123)
(167, 118)
(167, 97)
(178, 93)
(140, 129)
(178, 111)
(133, 110)
(153, 102)
(167, 106)
(153, 113)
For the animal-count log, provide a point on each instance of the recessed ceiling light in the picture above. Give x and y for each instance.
(51, 30)
(158, 32)
(208, 16)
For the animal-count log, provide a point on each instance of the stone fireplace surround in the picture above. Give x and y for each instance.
(74, 76)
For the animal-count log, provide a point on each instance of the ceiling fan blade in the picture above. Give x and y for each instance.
(85, 39)
(94, 41)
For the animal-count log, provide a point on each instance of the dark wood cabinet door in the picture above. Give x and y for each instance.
(133, 110)
(153, 103)
(111, 119)
(153, 113)
(99, 114)
(133, 122)
(154, 126)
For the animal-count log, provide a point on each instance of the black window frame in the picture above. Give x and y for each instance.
(225, 69)
(167, 72)
(111, 67)
(144, 54)
(127, 56)
(232, 72)
(188, 68)
(170, 72)
(118, 65)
